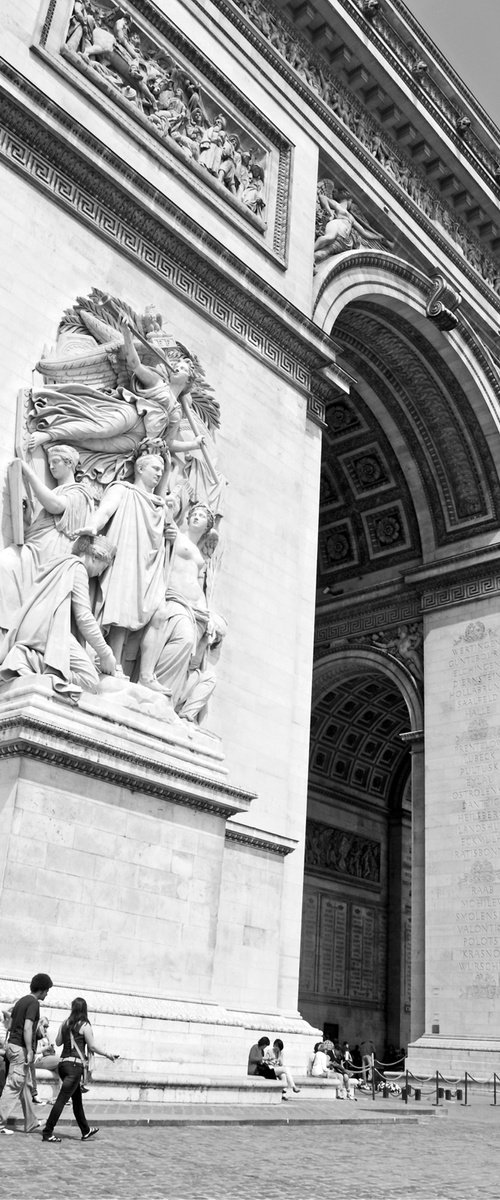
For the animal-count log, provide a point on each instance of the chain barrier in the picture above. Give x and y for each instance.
(444, 1089)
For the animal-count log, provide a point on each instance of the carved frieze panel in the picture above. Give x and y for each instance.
(164, 87)
(341, 852)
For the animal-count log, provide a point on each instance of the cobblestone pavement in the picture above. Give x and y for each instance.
(452, 1156)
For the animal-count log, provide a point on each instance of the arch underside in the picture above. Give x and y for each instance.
(408, 478)
(407, 470)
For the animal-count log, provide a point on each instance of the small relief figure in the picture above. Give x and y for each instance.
(211, 145)
(230, 161)
(64, 508)
(342, 224)
(41, 640)
(133, 587)
(191, 635)
(170, 117)
(406, 645)
(81, 28)
(251, 192)
(338, 225)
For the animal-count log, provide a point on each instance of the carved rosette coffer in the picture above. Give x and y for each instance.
(441, 308)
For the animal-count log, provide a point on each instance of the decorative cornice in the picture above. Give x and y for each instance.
(36, 737)
(97, 188)
(435, 53)
(483, 271)
(245, 835)
(381, 32)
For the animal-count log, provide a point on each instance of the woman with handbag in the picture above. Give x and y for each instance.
(77, 1040)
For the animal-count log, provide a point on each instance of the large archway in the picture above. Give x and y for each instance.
(356, 937)
(409, 479)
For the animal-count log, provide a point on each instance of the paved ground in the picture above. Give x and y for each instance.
(373, 1152)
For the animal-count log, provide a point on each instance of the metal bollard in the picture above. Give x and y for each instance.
(440, 1093)
(459, 1094)
(418, 1094)
(447, 1094)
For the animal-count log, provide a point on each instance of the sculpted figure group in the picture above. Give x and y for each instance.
(101, 40)
(114, 572)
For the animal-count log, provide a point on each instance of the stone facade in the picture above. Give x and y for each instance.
(318, 237)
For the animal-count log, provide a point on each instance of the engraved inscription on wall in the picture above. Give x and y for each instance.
(343, 949)
(475, 670)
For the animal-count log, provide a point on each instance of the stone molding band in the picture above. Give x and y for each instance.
(23, 734)
(160, 1008)
(245, 835)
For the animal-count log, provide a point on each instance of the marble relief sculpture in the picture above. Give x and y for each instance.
(125, 422)
(119, 57)
(340, 225)
(40, 640)
(64, 508)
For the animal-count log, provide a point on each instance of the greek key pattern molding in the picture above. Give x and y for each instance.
(367, 620)
(86, 194)
(447, 596)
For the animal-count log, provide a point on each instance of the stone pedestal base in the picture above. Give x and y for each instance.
(452, 1057)
(113, 851)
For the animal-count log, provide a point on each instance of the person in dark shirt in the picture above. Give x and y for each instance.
(21, 1053)
(77, 1039)
(257, 1064)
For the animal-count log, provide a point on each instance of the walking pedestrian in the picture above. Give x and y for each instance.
(20, 1053)
(77, 1040)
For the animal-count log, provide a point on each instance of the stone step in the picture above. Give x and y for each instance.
(138, 1087)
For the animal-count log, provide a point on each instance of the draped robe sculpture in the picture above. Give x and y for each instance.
(127, 408)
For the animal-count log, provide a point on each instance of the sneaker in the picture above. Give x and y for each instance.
(83, 1088)
(295, 1089)
(285, 1096)
(91, 1132)
(50, 1137)
(8, 1132)
(37, 1101)
(37, 1125)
